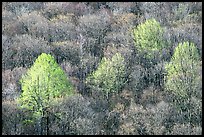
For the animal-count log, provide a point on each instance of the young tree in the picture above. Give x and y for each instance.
(148, 37)
(150, 45)
(183, 81)
(110, 75)
(43, 82)
(182, 70)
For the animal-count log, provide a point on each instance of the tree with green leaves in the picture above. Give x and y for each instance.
(110, 75)
(182, 70)
(183, 79)
(43, 82)
(148, 37)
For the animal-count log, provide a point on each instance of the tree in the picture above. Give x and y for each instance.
(183, 81)
(182, 70)
(148, 36)
(110, 75)
(75, 115)
(43, 82)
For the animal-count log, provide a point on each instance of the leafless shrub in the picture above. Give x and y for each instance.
(9, 86)
(66, 50)
(21, 7)
(26, 49)
(34, 24)
(51, 9)
(95, 24)
(121, 7)
(11, 117)
(73, 109)
(151, 96)
(62, 30)
(9, 25)
(185, 129)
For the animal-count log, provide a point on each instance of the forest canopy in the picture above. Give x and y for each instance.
(101, 68)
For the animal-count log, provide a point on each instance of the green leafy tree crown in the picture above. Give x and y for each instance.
(44, 81)
(182, 70)
(109, 77)
(148, 36)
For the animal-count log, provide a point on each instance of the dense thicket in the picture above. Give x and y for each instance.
(132, 68)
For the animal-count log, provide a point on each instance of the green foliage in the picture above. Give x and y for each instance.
(128, 94)
(148, 36)
(109, 77)
(182, 71)
(44, 81)
(27, 122)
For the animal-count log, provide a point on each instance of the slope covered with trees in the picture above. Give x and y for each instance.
(110, 68)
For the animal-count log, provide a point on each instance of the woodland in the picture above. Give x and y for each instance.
(101, 68)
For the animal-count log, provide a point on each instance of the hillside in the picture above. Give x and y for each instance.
(110, 68)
